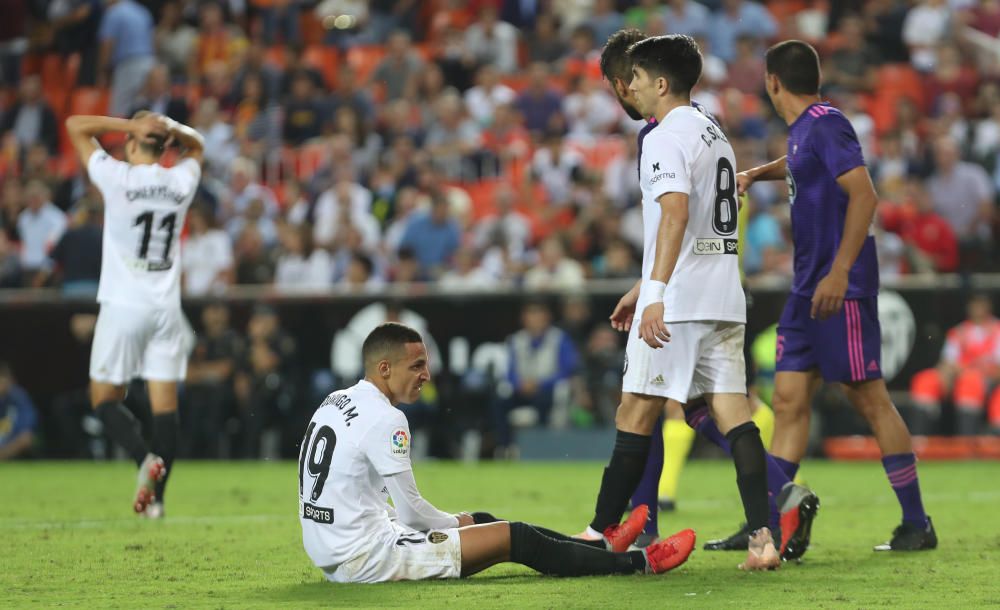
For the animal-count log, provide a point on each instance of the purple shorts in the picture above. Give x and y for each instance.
(846, 347)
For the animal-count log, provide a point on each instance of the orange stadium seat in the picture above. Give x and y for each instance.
(325, 60)
(309, 158)
(364, 60)
(89, 100)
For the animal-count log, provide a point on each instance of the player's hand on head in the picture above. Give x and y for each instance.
(652, 328)
(743, 182)
(152, 125)
(828, 298)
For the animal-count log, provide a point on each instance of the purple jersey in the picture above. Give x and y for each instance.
(822, 146)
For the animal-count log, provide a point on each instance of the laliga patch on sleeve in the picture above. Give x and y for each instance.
(437, 537)
(399, 443)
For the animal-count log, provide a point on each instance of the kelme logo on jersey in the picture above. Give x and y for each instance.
(399, 444)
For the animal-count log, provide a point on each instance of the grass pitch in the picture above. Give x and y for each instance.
(231, 539)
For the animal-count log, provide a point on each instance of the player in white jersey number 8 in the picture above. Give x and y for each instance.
(355, 456)
(141, 330)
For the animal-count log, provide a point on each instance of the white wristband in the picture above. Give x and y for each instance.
(652, 291)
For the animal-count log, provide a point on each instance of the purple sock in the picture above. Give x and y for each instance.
(902, 472)
(646, 491)
(789, 469)
(777, 469)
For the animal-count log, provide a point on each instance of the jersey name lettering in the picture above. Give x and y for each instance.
(159, 192)
(340, 402)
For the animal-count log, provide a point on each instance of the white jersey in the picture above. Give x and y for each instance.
(354, 439)
(687, 153)
(144, 210)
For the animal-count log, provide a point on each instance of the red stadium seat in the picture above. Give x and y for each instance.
(325, 60)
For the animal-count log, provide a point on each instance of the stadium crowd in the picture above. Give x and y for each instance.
(352, 144)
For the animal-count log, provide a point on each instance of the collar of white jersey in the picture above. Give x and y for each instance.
(366, 386)
(676, 112)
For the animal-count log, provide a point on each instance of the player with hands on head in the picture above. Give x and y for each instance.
(141, 330)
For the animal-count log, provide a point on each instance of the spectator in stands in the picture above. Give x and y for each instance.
(13, 41)
(256, 118)
(539, 102)
(554, 270)
(767, 249)
(40, 226)
(556, 166)
(647, 16)
(350, 92)
(207, 398)
(453, 139)
(543, 42)
(492, 41)
(344, 204)
(581, 59)
(852, 66)
(301, 266)
(605, 20)
(927, 25)
(986, 138)
(540, 356)
(265, 387)
(18, 419)
(985, 17)
(467, 274)
(407, 268)
(127, 54)
(687, 17)
(406, 205)
(74, 26)
(244, 188)
(219, 42)
(928, 234)
(738, 17)
(11, 204)
(296, 66)
(455, 59)
(30, 118)
(482, 100)
(890, 167)
(433, 236)
(952, 75)
(221, 149)
(303, 113)
(77, 254)
(505, 225)
(207, 259)
(590, 110)
(176, 40)
(968, 372)
(620, 185)
(747, 66)
(399, 69)
(280, 20)
(963, 194)
(10, 264)
(157, 97)
(255, 63)
(364, 144)
(617, 262)
(506, 140)
(360, 275)
(254, 262)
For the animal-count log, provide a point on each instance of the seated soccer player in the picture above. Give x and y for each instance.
(356, 455)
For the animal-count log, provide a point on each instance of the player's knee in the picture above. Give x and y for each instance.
(637, 416)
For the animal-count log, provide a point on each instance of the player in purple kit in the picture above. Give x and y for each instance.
(829, 330)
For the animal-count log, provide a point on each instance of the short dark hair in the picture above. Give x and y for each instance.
(615, 62)
(796, 64)
(385, 340)
(158, 145)
(675, 57)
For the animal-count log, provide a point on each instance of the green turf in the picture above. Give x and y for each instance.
(232, 540)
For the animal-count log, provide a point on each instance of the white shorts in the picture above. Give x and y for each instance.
(406, 555)
(701, 358)
(134, 342)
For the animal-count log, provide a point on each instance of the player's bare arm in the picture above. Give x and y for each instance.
(829, 295)
(775, 170)
(669, 235)
(83, 131)
(621, 317)
(192, 143)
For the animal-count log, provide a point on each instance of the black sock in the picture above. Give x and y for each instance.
(620, 479)
(534, 549)
(123, 428)
(597, 544)
(165, 446)
(751, 472)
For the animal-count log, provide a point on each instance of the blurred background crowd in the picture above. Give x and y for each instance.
(354, 145)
